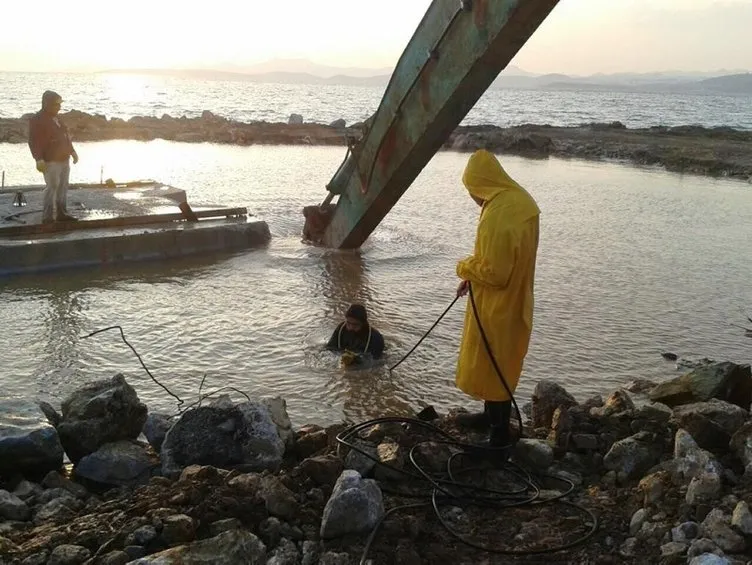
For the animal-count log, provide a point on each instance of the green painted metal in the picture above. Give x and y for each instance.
(455, 54)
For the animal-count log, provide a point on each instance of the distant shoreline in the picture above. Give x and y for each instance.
(719, 152)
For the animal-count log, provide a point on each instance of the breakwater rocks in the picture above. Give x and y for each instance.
(689, 149)
(653, 473)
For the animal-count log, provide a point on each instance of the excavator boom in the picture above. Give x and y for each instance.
(455, 54)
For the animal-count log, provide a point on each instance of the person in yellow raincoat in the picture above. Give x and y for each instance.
(501, 272)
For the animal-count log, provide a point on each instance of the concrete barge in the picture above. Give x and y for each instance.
(118, 223)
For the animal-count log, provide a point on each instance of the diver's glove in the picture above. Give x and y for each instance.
(349, 358)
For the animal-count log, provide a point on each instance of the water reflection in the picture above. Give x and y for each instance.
(62, 327)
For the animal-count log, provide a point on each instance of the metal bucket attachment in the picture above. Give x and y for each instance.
(317, 219)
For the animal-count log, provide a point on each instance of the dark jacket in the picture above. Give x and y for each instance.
(345, 340)
(49, 139)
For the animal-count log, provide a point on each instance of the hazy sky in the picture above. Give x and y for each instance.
(579, 37)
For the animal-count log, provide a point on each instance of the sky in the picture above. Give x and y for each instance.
(579, 37)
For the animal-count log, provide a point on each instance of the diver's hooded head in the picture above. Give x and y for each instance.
(356, 318)
(486, 180)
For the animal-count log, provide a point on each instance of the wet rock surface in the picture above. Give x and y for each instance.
(99, 413)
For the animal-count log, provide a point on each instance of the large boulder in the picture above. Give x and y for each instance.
(121, 463)
(741, 443)
(711, 423)
(28, 443)
(233, 547)
(101, 412)
(547, 397)
(225, 435)
(356, 506)
(724, 381)
(633, 456)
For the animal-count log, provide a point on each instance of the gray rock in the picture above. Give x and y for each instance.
(29, 445)
(547, 397)
(310, 553)
(725, 381)
(704, 489)
(12, 507)
(709, 559)
(629, 547)
(271, 531)
(716, 527)
(177, 529)
(338, 123)
(122, 463)
(57, 510)
(332, 558)
(631, 456)
(534, 453)
(99, 413)
(36, 559)
(26, 490)
(68, 555)
(355, 506)
(673, 549)
(141, 536)
(277, 407)
(225, 525)
(54, 480)
(223, 436)
(357, 461)
(690, 460)
(286, 553)
(585, 442)
(57, 493)
(654, 411)
(49, 411)
(703, 545)
(742, 518)
(295, 119)
(741, 443)
(638, 519)
(280, 500)
(235, 547)
(685, 532)
(134, 551)
(114, 558)
(155, 429)
(711, 423)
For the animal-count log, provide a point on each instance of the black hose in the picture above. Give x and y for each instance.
(449, 488)
(425, 335)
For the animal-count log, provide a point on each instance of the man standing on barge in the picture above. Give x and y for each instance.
(52, 150)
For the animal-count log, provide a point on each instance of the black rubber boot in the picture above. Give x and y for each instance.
(499, 438)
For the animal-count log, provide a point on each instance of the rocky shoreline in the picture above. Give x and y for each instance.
(720, 152)
(665, 469)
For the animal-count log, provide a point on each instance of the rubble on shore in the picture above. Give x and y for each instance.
(719, 151)
(666, 469)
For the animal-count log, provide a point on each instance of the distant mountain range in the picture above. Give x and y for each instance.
(302, 71)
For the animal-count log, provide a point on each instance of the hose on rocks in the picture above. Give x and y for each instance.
(447, 488)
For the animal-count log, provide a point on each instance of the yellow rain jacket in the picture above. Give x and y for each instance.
(501, 272)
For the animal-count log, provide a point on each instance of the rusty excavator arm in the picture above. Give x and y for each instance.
(455, 54)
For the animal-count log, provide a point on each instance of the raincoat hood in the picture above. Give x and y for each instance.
(486, 179)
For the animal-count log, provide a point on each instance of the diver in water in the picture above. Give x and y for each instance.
(355, 338)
